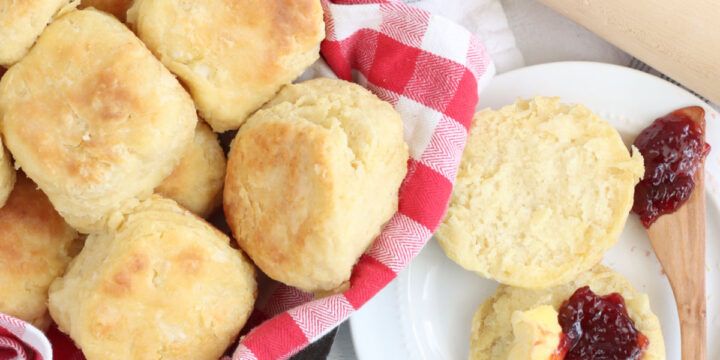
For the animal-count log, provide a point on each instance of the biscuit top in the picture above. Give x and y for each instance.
(7, 174)
(35, 247)
(22, 21)
(543, 190)
(166, 282)
(197, 181)
(233, 55)
(311, 179)
(109, 122)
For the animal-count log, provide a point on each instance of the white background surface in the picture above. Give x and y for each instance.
(426, 313)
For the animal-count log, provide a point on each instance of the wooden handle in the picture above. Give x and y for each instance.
(679, 242)
(677, 37)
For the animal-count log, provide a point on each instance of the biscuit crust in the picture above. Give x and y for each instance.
(93, 118)
(7, 175)
(36, 246)
(165, 285)
(21, 22)
(233, 55)
(197, 182)
(312, 178)
(492, 335)
(542, 192)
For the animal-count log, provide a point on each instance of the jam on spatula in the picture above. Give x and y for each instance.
(673, 148)
(599, 327)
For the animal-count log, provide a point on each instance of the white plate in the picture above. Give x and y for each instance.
(426, 312)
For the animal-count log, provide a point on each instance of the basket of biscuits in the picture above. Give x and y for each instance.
(171, 190)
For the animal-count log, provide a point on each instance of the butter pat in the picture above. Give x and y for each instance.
(537, 334)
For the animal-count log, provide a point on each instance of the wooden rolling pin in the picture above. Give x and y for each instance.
(680, 38)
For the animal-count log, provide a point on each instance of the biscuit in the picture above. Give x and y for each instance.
(311, 179)
(196, 183)
(492, 334)
(164, 285)
(233, 55)
(36, 246)
(7, 175)
(118, 8)
(542, 192)
(21, 22)
(93, 118)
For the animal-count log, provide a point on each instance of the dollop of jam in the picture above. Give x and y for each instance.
(673, 148)
(563, 348)
(598, 327)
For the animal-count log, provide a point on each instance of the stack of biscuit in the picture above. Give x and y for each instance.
(112, 131)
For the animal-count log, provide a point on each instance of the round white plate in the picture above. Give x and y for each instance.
(426, 312)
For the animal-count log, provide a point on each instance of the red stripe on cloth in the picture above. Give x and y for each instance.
(332, 52)
(12, 324)
(321, 315)
(282, 328)
(399, 242)
(394, 64)
(12, 349)
(354, 52)
(432, 88)
(362, 49)
(424, 195)
(403, 23)
(360, 2)
(369, 276)
(462, 106)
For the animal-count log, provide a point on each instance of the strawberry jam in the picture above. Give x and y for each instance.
(673, 148)
(562, 349)
(598, 327)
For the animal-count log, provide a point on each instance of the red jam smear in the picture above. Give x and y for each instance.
(562, 349)
(673, 148)
(598, 327)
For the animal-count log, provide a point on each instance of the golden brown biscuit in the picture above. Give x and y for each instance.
(492, 334)
(542, 192)
(7, 175)
(115, 7)
(22, 21)
(233, 55)
(93, 118)
(7, 171)
(312, 177)
(196, 183)
(35, 247)
(165, 285)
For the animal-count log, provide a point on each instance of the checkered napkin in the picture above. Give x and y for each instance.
(431, 70)
(20, 341)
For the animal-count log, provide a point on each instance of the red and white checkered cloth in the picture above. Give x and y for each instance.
(431, 70)
(21, 341)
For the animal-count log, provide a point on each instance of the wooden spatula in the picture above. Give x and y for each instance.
(679, 243)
